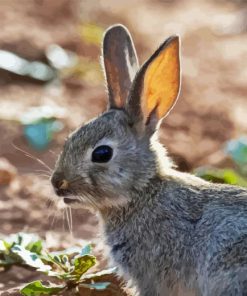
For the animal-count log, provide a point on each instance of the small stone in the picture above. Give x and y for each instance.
(7, 171)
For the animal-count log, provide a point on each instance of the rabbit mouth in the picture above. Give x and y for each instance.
(62, 192)
(70, 200)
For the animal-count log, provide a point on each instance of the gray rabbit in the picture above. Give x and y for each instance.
(169, 233)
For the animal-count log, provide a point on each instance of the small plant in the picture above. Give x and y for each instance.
(227, 176)
(236, 150)
(68, 268)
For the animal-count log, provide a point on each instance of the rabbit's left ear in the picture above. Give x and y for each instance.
(120, 64)
(156, 86)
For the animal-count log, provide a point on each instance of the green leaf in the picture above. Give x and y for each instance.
(59, 275)
(5, 246)
(99, 274)
(36, 288)
(52, 259)
(66, 263)
(2, 246)
(31, 259)
(65, 259)
(68, 251)
(35, 247)
(86, 250)
(228, 176)
(97, 286)
(26, 240)
(82, 265)
(62, 263)
(10, 259)
(29, 241)
(57, 259)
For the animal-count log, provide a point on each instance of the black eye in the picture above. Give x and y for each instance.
(102, 154)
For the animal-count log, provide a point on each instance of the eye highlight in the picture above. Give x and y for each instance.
(102, 154)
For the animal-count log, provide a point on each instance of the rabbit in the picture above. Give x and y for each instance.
(168, 232)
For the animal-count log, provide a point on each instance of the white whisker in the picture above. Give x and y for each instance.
(55, 216)
(69, 219)
(32, 157)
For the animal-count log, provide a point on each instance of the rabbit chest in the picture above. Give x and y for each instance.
(142, 254)
(132, 247)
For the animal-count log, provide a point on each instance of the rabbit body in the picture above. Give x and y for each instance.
(170, 233)
(182, 234)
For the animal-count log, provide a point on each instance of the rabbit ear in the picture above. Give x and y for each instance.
(156, 86)
(120, 64)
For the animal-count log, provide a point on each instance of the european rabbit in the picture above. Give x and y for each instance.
(171, 233)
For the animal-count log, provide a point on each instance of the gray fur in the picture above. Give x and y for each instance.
(170, 233)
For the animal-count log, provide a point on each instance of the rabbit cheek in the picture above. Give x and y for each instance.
(105, 189)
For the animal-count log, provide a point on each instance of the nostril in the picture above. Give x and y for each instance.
(57, 180)
(63, 184)
(60, 184)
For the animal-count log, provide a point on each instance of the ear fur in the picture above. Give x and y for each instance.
(120, 64)
(156, 86)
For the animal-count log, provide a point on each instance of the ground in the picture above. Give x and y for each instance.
(210, 110)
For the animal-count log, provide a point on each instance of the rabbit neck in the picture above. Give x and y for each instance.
(137, 200)
(133, 232)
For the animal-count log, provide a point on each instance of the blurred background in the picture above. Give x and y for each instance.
(51, 81)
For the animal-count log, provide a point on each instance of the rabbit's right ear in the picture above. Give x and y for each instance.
(120, 64)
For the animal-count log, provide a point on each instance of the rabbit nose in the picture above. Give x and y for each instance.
(64, 184)
(60, 184)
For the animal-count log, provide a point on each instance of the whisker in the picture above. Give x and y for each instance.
(71, 219)
(68, 219)
(43, 175)
(52, 152)
(50, 212)
(50, 203)
(91, 201)
(55, 217)
(64, 219)
(43, 171)
(32, 157)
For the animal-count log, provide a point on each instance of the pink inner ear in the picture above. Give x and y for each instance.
(162, 81)
(113, 79)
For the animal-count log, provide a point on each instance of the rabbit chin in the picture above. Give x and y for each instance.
(95, 203)
(76, 202)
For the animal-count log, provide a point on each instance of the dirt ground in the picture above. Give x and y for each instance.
(211, 108)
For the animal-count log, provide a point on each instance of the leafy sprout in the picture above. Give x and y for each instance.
(228, 176)
(236, 150)
(68, 267)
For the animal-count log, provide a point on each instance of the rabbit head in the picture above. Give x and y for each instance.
(105, 160)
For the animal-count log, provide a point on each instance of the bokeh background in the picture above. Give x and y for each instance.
(51, 81)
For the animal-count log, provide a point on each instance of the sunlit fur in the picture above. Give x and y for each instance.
(166, 230)
(170, 233)
(103, 185)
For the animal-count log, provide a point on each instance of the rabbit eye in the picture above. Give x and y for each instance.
(102, 154)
